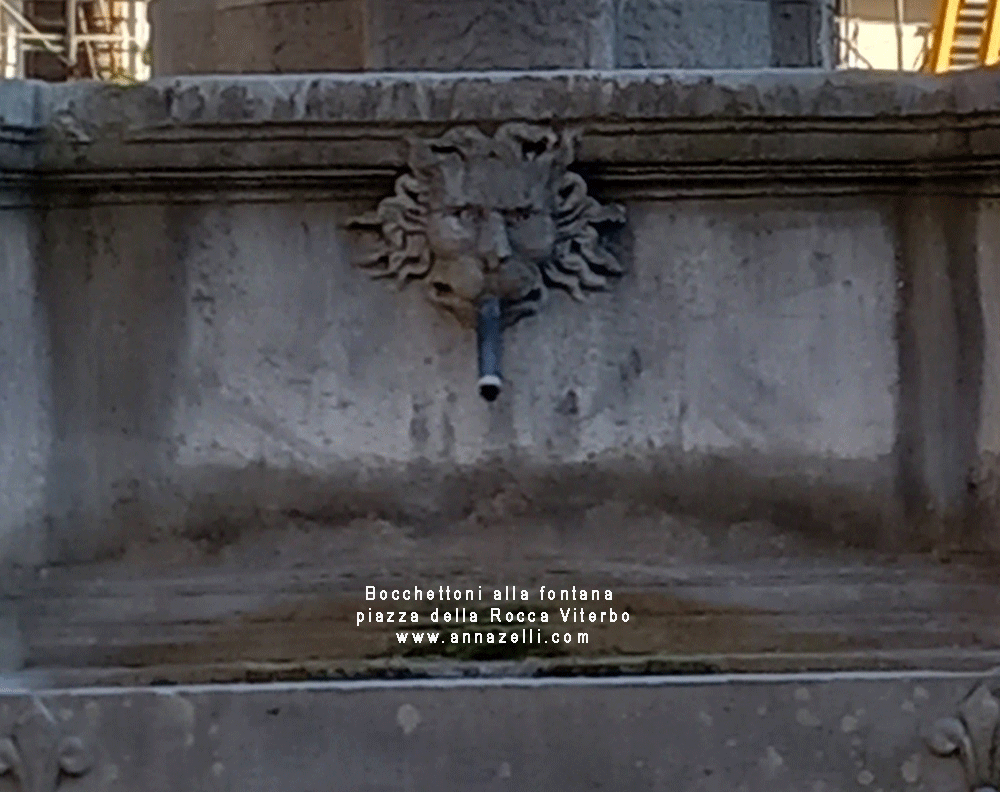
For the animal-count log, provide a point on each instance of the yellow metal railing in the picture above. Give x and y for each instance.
(966, 34)
(989, 49)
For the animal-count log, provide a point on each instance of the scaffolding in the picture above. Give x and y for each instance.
(59, 40)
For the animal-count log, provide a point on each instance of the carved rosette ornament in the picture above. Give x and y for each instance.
(38, 755)
(489, 225)
(973, 738)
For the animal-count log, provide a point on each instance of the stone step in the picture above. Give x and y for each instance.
(783, 733)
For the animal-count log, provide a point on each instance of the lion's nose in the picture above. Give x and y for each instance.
(494, 243)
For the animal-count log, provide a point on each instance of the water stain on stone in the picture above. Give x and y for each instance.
(911, 769)
(408, 718)
(806, 718)
(419, 432)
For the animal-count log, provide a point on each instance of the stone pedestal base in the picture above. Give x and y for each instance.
(237, 36)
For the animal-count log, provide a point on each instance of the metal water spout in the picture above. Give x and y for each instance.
(489, 336)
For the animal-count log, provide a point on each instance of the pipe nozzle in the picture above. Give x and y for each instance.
(490, 342)
(489, 387)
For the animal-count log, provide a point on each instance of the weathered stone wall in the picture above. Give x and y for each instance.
(204, 347)
(786, 337)
(240, 36)
(801, 340)
(24, 394)
(24, 401)
(987, 253)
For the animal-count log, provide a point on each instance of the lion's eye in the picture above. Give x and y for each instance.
(520, 214)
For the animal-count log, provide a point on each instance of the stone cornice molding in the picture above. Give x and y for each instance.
(651, 132)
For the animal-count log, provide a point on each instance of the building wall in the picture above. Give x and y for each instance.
(869, 35)
(874, 45)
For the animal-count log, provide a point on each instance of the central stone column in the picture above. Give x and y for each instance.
(241, 36)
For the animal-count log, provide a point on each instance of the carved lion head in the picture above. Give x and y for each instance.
(499, 216)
